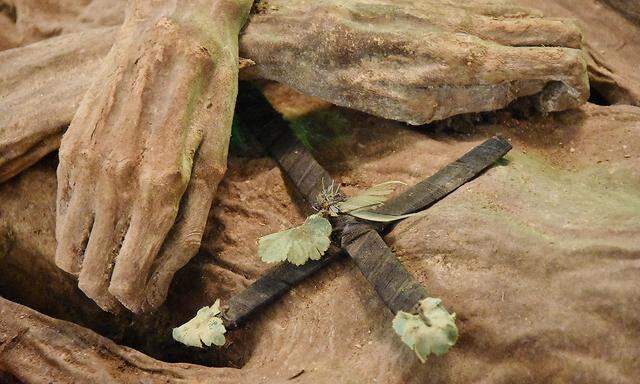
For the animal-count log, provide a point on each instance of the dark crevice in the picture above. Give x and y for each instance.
(605, 86)
(8, 378)
(598, 98)
(9, 10)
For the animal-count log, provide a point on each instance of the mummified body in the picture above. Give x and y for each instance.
(147, 144)
(520, 277)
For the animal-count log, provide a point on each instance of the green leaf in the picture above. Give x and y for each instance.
(299, 244)
(380, 217)
(370, 198)
(206, 327)
(432, 330)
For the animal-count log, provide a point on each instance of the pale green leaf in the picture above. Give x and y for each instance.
(370, 198)
(379, 217)
(299, 244)
(206, 327)
(432, 330)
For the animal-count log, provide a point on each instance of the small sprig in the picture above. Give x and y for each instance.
(371, 198)
(432, 330)
(298, 244)
(206, 327)
(328, 198)
(311, 239)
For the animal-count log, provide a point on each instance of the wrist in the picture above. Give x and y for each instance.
(207, 16)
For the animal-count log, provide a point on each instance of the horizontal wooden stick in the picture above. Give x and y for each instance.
(448, 179)
(270, 286)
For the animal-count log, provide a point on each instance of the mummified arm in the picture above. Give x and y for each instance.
(419, 61)
(141, 160)
(41, 86)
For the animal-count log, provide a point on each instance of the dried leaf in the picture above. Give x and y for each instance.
(432, 330)
(380, 217)
(370, 198)
(299, 244)
(206, 327)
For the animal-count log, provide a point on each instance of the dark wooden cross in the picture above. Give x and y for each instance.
(358, 239)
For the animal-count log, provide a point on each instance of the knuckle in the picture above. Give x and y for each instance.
(211, 174)
(169, 177)
(202, 54)
(85, 157)
(217, 171)
(166, 181)
(67, 151)
(191, 242)
(212, 54)
(168, 29)
(119, 169)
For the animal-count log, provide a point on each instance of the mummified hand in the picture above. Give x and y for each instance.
(418, 61)
(142, 158)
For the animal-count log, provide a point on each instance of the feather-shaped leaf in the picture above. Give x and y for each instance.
(206, 327)
(299, 244)
(433, 330)
(370, 198)
(379, 217)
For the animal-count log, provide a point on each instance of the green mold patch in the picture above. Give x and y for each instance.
(592, 207)
(609, 190)
(240, 142)
(322, 130)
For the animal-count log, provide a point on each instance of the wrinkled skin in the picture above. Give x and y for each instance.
(40, 92)
(69, 62)
(629, 8)
(145, 151)
(427, 61)
(132, 200)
